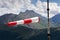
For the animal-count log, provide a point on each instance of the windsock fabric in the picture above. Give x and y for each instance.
(25, 21)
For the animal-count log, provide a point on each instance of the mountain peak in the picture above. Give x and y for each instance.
(56, 19)
(29, 11)
(57, 15)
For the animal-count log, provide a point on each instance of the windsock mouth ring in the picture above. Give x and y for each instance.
(39, 19)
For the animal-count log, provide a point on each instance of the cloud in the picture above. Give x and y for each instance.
(58, 9)
(54, 9)
(10, 6)
(16, 6)
(38, 8)
(41, 8)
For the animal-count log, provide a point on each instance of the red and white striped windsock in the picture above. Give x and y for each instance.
(25, 21)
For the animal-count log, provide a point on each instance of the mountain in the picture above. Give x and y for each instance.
(56, 20)
(7, 17)
(30, 14)
(27, 14)
(25, 31)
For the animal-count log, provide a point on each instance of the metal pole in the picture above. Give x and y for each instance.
(48, 20)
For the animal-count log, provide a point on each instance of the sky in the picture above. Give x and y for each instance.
(38, 6)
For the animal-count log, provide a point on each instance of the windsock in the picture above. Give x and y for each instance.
(25, 21)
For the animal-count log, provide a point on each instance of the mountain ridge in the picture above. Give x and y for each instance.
(25, 31)
(55, 20)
